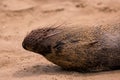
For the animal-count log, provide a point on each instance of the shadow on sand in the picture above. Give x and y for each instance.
(36, 70)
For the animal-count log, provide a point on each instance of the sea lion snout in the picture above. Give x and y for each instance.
(29, 43)
(39, 40)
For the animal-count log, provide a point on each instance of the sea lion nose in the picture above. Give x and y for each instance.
(23, 45)
(26, 44)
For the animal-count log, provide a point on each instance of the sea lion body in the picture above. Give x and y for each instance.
(95, 48)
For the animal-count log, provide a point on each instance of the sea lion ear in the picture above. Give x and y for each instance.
(93, 43)
(90, 44)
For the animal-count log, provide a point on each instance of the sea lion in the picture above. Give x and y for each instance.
(90, 48)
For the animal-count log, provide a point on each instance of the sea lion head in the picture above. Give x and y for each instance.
(39, 40)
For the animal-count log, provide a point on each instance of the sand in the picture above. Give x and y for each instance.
(19, 17)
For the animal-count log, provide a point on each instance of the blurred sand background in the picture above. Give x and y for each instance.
(19, 17)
